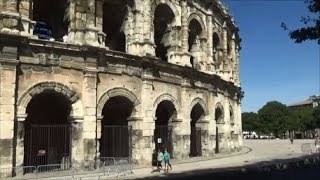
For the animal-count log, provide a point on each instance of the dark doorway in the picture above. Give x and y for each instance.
(51, 19)
(47, 137)
(197, 113)
(163, 131)
(195, 31)
(116, 134)
(163, 17)
(114, 17)
(219, 119)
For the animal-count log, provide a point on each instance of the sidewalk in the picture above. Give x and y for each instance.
(254, 151)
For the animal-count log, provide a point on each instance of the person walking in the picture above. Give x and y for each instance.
(154, 161)
(166, 158)
(159, 160)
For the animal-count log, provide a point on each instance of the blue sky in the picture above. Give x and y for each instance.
(272, 66)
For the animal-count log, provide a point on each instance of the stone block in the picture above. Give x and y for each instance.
(6, 129)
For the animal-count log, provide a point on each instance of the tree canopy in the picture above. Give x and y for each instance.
(275, 117)
(311, 24)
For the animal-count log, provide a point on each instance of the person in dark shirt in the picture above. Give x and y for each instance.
(154, 161)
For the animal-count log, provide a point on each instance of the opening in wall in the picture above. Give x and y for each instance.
(195, 31)
(51, 18)
(163, 18)
(115, 14)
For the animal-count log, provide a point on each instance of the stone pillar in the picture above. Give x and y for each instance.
(209, 51)
(239, 122)
(225, 50)
(233, 59)
(227, 128)
(212, 123)
(181, 140)
(20, 140)
(7, 104)
(89, 98)
(205, 140)
(181, 125)
(27, 23)
(9, 17)
(78, 19)
(77, 139)
(237, 78)
(185, 58)
(144, 131)
(91, 33)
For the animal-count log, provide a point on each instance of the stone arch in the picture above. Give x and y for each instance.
(172, 6)
(231, 114)
(219, 113)
(197, 17)
(216, 40)
(201, 102)
(167, 97)
(36, 89)
(117, 92)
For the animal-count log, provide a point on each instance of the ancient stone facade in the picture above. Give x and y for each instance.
(145, 61)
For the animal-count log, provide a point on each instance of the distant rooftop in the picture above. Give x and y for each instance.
(312, 101)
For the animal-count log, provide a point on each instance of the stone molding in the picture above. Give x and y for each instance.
(201, 102)
(168, 97)
(119, 91)
(36, 89)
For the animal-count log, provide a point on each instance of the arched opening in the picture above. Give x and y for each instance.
(51, 18)
(219, 119)
(163, 131)
(163, 17)
(115, 136)
(215, 42)
(47, 138)
(195, 31)
(197, 113)
(231, 115)
(114, 19)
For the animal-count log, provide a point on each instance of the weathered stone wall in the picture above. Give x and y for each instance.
(86, 72)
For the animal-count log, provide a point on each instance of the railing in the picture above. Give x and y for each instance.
(101, 167)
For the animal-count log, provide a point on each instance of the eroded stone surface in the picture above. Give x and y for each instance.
(203, 71)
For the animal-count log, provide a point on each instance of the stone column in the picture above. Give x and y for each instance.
(233, 59)
(226, 127)
(205, 142)
(77, 139)
(20, 140)
(185, 58)
(225, 49)
(89, 99)
(78, 19)
(9, 17)
(239, 122)
(144, 130)
(27, 23)
(91, 34)
(212, 123)
(209, 50)
(181, 125)
(7, 104)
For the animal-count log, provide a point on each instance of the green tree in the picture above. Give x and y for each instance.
(311, 23)
(249, 121)
(273, 118)
(316, 117)
(301, 119)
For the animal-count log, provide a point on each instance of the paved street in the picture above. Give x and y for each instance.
(260, 151)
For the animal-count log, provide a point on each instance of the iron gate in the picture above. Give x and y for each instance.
(163, 138)
(48, 144)
(116, 141)
(195, 144)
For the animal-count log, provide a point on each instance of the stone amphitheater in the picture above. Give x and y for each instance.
(82, 80)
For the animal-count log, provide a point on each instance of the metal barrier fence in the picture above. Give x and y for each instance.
(99, 168)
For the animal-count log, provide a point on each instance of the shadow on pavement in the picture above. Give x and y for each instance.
(306, 167)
